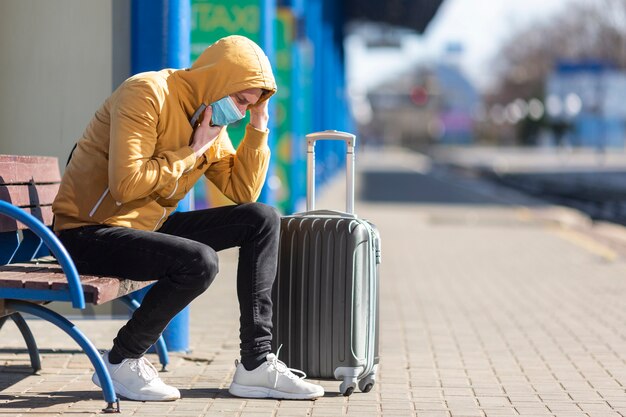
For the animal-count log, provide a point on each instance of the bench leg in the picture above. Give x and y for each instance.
(160, 345)
(33, 351)
(113, 403)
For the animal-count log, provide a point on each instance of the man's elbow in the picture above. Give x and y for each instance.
(244, 200)
(245, 196)
(120, 192)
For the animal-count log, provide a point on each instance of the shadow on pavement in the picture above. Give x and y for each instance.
(205, 393)
(48, 399)
(43, 351)
(11, 375)
(223, 393)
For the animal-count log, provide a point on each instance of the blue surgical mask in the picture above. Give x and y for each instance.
(225, 112)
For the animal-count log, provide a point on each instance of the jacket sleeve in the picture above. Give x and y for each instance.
(134, 171)
(240, 174)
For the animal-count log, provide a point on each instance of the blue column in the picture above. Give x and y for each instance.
(160, 34)
(160, 38)
(296, 170)
(300, 112)
(325, 19)
(268, 16)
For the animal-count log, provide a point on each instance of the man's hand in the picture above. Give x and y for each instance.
(204, 134)
(259, 116)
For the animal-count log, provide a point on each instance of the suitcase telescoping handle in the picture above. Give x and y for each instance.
(350, 140)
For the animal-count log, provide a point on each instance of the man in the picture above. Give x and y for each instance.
(139, 156)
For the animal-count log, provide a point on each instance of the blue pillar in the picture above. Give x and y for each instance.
(319, 32)
(160, 34)
(268, 16)
(160, 38)
(315, 28)
(296, 179)
(301, 110)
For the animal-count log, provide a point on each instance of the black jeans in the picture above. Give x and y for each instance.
(182, 257)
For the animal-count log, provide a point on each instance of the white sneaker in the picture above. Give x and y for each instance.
(137, 379)
(273, 379)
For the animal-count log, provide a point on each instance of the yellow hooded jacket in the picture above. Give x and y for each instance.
(133, 163)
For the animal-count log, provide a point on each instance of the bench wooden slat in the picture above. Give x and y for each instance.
(98, 290)
(16, 281)
(16, 276)
(29, 195)
(90, 292)
(34, 266)
(23, 169)
(44, 214)
(85, 281)
(16, 272)
(42, 280)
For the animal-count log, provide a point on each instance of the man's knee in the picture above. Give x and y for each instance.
(263, 216)
(199, 267)
(209, 262)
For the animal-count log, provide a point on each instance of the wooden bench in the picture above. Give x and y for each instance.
(30, 277)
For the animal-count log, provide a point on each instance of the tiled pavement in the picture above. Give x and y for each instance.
(487, 309)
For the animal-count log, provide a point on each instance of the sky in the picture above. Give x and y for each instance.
(480, 25)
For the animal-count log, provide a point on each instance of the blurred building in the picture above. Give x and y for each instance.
(456, 105)
(587, 97)
(434, 104)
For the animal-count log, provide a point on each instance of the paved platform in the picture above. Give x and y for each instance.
(492, 305)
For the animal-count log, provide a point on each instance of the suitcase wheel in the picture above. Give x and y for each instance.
(367, 383)
(347, 386)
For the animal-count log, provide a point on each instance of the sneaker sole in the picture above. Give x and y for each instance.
(123, 392)
(245, 391)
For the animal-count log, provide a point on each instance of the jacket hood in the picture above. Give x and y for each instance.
(231, 64)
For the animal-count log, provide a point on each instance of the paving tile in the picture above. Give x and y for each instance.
(328, 411)
(292, 413)
(499, 412)
(425, 414)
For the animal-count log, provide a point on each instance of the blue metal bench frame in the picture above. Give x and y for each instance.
(20, 300)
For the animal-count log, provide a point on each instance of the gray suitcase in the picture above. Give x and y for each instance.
(326, 290)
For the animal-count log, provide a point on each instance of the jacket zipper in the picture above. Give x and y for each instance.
(93, 210)
(104, 194)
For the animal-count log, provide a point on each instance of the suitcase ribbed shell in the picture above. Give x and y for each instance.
(325, 295)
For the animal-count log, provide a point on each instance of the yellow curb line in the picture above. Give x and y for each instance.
(577, 238)
(587, 243)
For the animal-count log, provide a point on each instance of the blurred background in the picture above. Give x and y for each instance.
(527, 93)
(507, 73)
